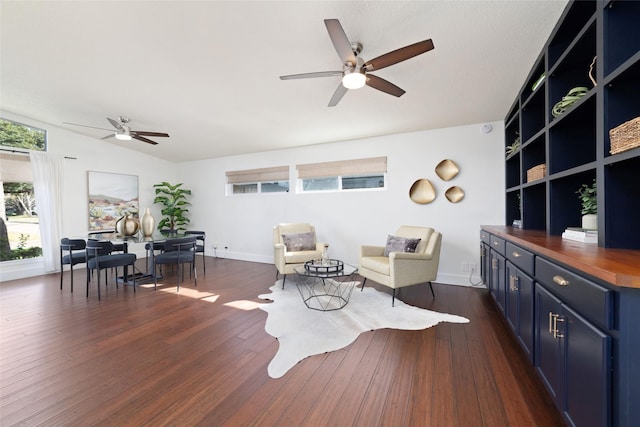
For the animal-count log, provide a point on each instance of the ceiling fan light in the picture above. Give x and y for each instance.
(123, 136)
(354, 79)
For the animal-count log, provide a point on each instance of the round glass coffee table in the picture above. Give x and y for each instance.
(326, 286)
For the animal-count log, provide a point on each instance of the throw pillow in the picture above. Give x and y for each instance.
(299, 242)
(400, 244)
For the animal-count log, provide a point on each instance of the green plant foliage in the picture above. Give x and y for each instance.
(515, 146)
(21, 136)
(588, 198)
(174, 200)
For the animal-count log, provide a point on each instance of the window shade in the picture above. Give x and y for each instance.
(15, 168)
(278, 173)
(342, 168)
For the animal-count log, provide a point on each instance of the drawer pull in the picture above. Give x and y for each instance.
(559, 280)
(516, 254)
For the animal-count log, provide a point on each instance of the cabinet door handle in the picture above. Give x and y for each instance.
(557, 333)
(494, 264)
(495, 243)
(513, 283)
(553, 325)
(516, 254)
(560, 280)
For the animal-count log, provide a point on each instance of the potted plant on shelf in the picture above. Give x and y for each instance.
(587, 194)
(173, 198)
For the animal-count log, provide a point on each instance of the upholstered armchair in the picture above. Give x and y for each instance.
(404, 261)
(293, 245)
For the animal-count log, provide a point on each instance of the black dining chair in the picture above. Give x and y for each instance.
(100, 257)
(72, 252)
(156, 246)
(178, 252)
(200, 236)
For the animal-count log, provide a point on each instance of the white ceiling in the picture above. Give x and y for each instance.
(206, 72)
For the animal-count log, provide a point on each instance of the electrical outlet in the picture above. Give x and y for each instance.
(226, 247)
(473, 267)
(215, 245)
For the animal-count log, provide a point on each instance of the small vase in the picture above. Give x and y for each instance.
(325, 255)
(147, 223)
(127, 226)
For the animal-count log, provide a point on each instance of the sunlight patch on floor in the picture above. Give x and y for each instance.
(185, 291)
(243, 305)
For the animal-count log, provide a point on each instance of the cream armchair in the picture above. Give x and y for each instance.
(400, 269)
(293, 245)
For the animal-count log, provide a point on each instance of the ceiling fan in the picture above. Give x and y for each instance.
(355, 71)
(124, 133)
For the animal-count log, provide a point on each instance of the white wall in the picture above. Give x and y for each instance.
(347, 220)
(344, 220)
(91, 155)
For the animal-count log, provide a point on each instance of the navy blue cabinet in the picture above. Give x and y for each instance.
(497, 281)
(573, 358)
(575, 310)
(519, 303)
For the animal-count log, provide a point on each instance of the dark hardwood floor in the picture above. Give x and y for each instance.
(199, 357)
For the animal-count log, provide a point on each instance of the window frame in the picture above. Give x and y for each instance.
(15, 155)
(257, 177)
(340, 171)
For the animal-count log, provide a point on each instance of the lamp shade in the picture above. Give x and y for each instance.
(353, 80)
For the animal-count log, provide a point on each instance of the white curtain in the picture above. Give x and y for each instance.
(47, 185)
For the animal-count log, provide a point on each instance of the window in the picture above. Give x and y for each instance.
(253, 181)
(17, 135)
(20, 234)
(358, 174)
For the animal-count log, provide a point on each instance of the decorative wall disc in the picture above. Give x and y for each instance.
(454, 194)
(422, 192)
(447, 170)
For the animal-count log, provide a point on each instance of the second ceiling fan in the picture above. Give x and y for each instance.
(355, 71)
(124, 132)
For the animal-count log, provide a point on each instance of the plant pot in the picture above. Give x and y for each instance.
(590, 222)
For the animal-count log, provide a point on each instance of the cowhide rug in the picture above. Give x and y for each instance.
(303, 332)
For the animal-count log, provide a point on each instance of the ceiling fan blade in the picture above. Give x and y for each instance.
(111, 135)
(145, 133)
(86, 126)
(399, 55)
(115, 124)
(311, 75)
(143, 139)
(384, 85)
(340, 41)
(337, 95)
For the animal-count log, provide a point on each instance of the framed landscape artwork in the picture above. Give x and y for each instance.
(111, 195)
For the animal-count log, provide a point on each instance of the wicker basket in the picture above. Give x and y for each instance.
(626, 136)
(536, 172)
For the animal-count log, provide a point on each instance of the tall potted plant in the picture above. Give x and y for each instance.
(588, 198)
(173, 198)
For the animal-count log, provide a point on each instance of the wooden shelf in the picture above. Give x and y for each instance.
(618, 267)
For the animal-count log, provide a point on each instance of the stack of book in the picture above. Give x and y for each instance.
(580, 235)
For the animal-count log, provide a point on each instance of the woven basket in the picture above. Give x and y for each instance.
(536, 172)
(626, 136)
